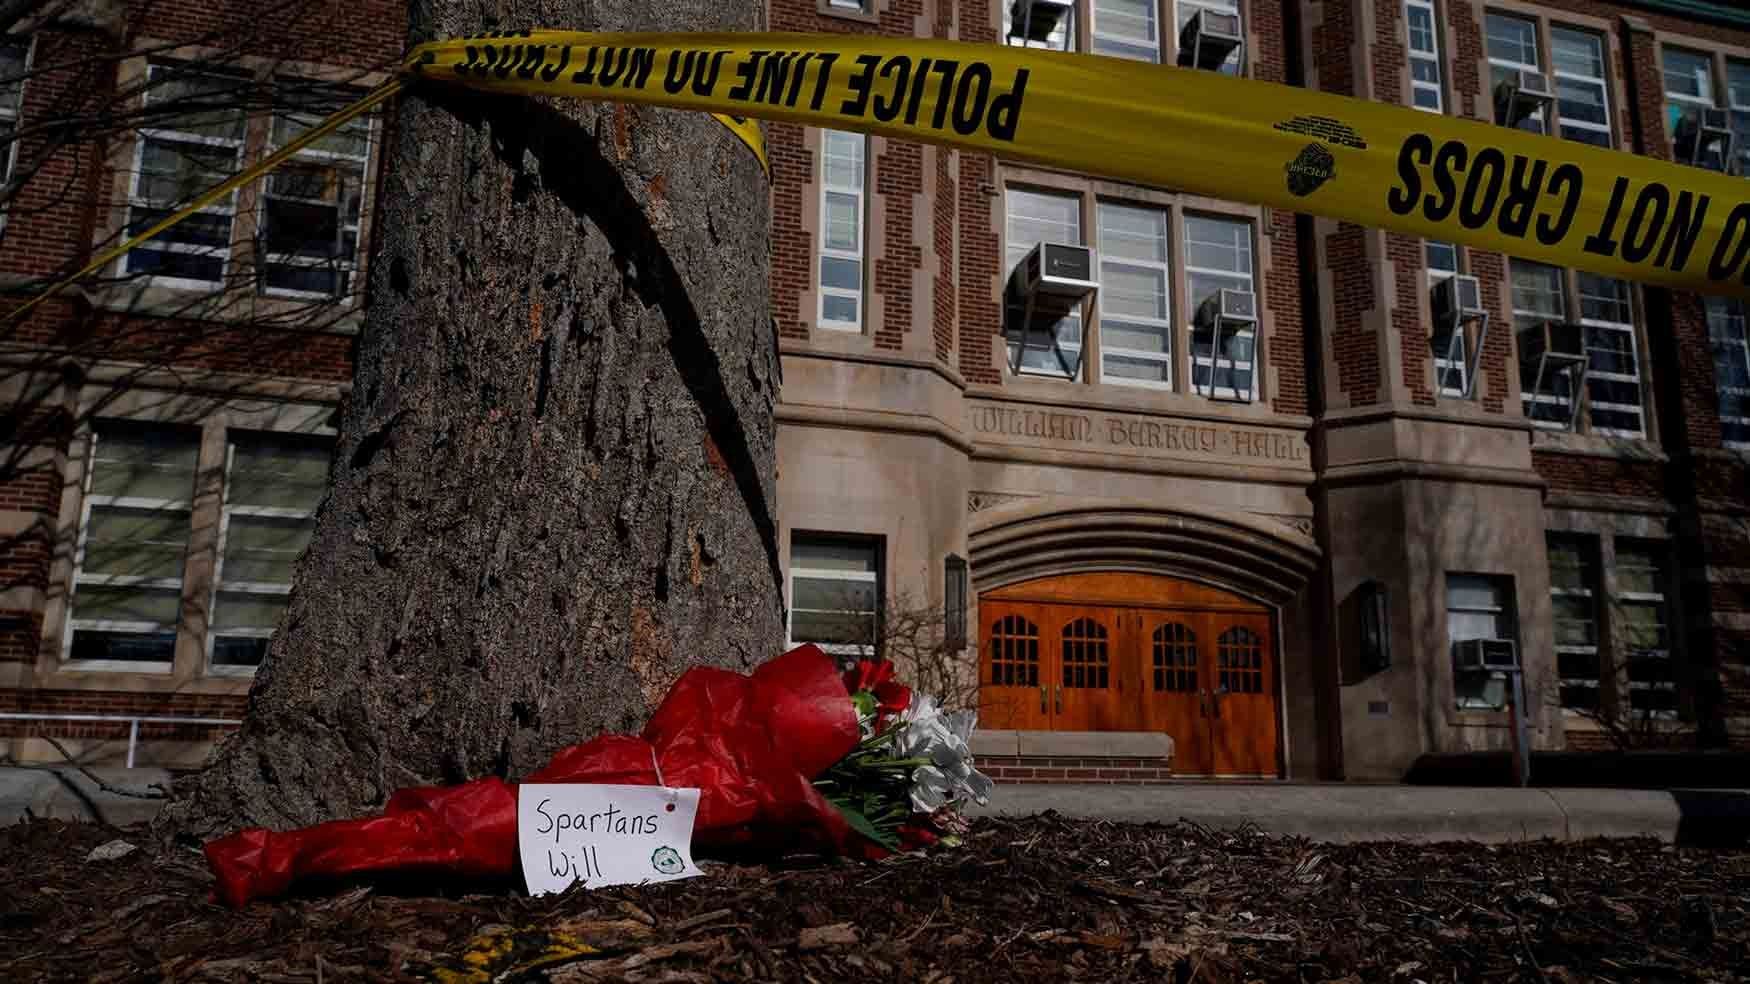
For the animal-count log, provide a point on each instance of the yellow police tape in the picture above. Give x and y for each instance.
(1456, 180)
(1536, 197)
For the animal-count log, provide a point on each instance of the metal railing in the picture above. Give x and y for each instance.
(133, 721)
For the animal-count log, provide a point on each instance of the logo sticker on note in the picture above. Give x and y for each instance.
(604, 835)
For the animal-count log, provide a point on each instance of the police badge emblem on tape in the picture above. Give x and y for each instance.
(604, 835)
(1310, 169)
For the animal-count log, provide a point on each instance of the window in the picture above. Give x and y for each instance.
(1725, 328)
(1239, 661)
(1136, 328)
(1175, 658)
(857, 6)
(1738, 98)
(842, 208)
(1218, 254)
(133, 539)
(1641, 577)
(1512, 47)
(272, 487)
(1427, 91)
(194, 132)
(311, 204)
(1014, 652)
(1614, 405)
(14, 61)
(1479, 606)
(1582, 103)
(1447, 340)
(1613, 376)
(191, 138)
(1538, 297)
(1047, 24)
(1086, 662)
(835, 592)
(1126, 29)
(1689, 85)
(1573, 588)
(954, 590)
(1035, 217)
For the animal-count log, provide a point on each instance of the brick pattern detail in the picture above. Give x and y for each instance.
(1285, 349)
(116, 702)
(1600, 475)
(793, 172)
(1106, 771)
(1354, 346)
(21, 635)
(980, 262)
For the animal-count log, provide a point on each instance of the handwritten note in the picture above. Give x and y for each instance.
(604, 835)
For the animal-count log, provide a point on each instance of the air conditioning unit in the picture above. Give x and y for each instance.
(1208, 38)
(1485, 654)
(1703, 129)
(1519, 96)
(1558, 344)
(1228, 309)
(1456, 299)
(1055, 270)
(1035, 21)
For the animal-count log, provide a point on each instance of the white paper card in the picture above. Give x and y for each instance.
(604, 835)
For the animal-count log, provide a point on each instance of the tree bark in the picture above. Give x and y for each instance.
(553, 487)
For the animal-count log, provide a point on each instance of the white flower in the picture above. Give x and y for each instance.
(926, 732)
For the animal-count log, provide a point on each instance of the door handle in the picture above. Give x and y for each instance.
(1042, 699)
(1202, 703)
(1060, 698)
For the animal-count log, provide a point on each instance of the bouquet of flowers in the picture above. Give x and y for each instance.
(792, 756)
(901, 786)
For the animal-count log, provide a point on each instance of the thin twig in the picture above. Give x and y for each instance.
(145, 794)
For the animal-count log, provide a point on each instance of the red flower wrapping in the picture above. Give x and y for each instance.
(751, 744)
(891, 698)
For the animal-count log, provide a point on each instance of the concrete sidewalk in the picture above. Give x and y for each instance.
(1351, 812)
(65, 794)
(1327, 812)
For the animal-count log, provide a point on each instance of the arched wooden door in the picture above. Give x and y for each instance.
(1133, 652)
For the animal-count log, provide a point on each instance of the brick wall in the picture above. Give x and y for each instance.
(118, 703)
(981, 259)
(1596, 475)
(1107, 771)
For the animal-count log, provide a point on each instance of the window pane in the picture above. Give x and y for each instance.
(1147, 370)
(1577, 52)
(1688, 73)
(842, 159)
(1473, 591)
(237, 610)
(122, 647)
(12, 67)
(1133, 292)
(1133, 233)
(172, 172)
(1134, 338)
(103, 603)
(263, 549)
(841, 273)
(844, 216)
(1581, 102)
(193, 102)
(1513, 39)
(239, 651)
(833, 590)
(832, 555)
(1441, 256)
(1537, 293)
(284, 472)
(1035, 217)
(822, 594)
(1126, 29)
(135, 542)
(1218, 244)
(143, 462)
(1421, 27)
(839, 309)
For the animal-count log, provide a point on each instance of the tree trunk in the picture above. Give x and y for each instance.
(553, 489)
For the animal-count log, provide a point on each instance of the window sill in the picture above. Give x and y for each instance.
(240, 306)
(1593, 445)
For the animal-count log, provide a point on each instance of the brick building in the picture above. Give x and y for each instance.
(1165, 541)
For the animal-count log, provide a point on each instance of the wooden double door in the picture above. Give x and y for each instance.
(1130, 652)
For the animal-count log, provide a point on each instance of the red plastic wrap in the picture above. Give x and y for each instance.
(752, 745)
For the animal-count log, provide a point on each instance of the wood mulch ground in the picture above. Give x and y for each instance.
(1041, 899)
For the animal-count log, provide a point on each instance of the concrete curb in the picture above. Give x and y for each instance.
(1348, 813)
(66, 794)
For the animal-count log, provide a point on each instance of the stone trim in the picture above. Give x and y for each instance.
(818, 349)
(846, 418)
(1388, 471)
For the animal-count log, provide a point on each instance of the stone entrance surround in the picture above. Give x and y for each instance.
(1110, 757)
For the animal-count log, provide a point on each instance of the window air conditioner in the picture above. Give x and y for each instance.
(1457, 298)
(1035, 21)
(1519, 97)
(1055, 270)
(1700, 130)
(1558, 344)
(1485, 654)
(1229, 309)
(1208, 38)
